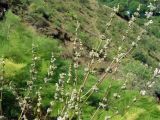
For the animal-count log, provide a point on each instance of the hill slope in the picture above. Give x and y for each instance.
(93, 18)
(51, 25)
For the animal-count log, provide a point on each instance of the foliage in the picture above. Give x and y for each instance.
(38, 80)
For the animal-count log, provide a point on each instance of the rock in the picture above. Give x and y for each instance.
(41, 23)
(4, 6)
(157, 94)
(59, 34)
(125, 17)
(46, 27)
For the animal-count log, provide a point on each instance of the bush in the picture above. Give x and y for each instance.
(10, 104)
(140, 56)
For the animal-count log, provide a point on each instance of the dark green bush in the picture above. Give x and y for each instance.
(10, 105)
(140, 56)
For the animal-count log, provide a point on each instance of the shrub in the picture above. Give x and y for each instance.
(140, 56)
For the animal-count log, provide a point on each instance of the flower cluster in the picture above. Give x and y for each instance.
(33, 70)
(157, 72)
(116, 9)
(59, 93)
(104, 103)
(69, 74)
(51, 69)
(39, 101)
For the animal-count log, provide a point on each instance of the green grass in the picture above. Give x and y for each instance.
(17, 38)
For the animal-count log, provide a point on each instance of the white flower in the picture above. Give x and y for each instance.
(133, 18)
(93, 54)
(157, 72)
(105, 99)
(135, 99)
(66, 115)
(148, 23)
(139, 38)
(143, 92)
(109, 70)
(60, 118)
(29, 82)
(117, 112)
(24, 117)
(134, 44)
(36, 58)
(119, 48)
(46, 80)
(52, 103)
(116, 9)
(69, 74)
(123, 37)
(38, 110)
(76, 65)
(112, 15)
(139, 7)
(136, 14)
(123, 87)
(1, 77)
(102, 105)
(108, 24)
(148, 14)
(49, 110)
(95, 88)
(62, 75)
(128, 106)
(116, 95)
(57, 87)
(77, 54)
(150, 84)
(102, 37)
(38, 104)
(86, 69)
(107, 118)
(151, 7)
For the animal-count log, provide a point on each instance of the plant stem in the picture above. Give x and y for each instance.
(92, 118)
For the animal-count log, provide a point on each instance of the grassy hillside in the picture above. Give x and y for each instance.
(28, 23)
(93, 18)
(131, 7)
